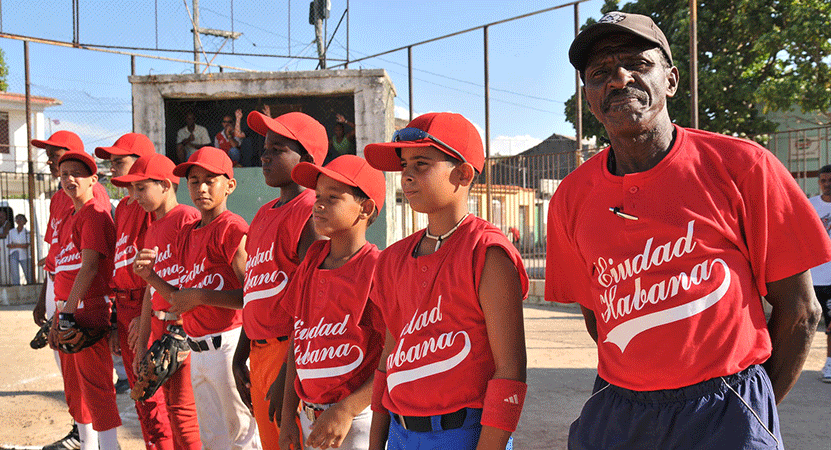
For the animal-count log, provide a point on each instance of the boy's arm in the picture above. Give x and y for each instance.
(143, 267)
(242, 378)
(139, 332)
(89, 267)
(380, 428)
(307, 237)
(289, 434)
(183, 300)
(591, 322)
(500, 295)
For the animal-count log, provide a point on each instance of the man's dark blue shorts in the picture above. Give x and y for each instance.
(732, 412)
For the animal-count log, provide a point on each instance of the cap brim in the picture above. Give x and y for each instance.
(127, 180)
(305, 174)
(261, 124)
(181, 170)
(578, 51)
(108, 152)
(383, 155)
(42, 144)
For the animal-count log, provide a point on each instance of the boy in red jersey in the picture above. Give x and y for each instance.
(338, 333)
(452, 374)
(131, 222)
(154, 189)
(83, 265)
(60, 207)
(278, 238)
(212, 252)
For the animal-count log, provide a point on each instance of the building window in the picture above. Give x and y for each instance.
(4, 132)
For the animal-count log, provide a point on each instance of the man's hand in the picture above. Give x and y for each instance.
(144, 262)
(330, 428)
(242, 378)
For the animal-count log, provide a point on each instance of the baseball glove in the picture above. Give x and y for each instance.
(75, 338)
(42, 336)
(161, 361)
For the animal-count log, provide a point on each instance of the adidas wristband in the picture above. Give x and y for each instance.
(379, 385)
(503, 403)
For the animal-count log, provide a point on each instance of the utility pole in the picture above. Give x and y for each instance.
(197, 30)
(318, 11)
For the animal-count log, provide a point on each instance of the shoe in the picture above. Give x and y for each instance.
(72, 441)
(826, 373)
(122, 386)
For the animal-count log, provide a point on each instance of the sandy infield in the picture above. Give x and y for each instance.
(561, 370)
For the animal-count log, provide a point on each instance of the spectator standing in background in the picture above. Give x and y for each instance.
(18, 244)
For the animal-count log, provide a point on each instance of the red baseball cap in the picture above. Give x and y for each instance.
(82, 157)
(63, 139)
(211, 159)
(449, 133)
(152, 167)
(300, 127)
(129, 144)
(348, 169)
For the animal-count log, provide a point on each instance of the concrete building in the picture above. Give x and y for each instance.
(365, 97)
(14, 151)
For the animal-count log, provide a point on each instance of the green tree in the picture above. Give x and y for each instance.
(754, 57)
(4, 72)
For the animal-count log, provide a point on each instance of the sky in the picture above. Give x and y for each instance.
(529, 75)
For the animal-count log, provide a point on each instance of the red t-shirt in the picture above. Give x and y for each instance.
(131, 222)
(272, 259)
(206, 254)
(163, 233)
(338, 333)
(60, 207)
(676, 293)
(91, 228)
(431, 307)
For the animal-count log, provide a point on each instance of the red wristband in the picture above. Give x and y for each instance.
(503, 404)
(379, 386)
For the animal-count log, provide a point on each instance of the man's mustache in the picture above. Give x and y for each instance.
(626, 92)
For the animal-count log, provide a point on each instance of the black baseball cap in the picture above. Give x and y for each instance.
(615, 22)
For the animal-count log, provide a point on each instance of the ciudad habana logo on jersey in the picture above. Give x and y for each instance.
(638, 307)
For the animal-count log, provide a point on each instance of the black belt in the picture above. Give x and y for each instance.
(449, 421)
(265, 341)
(202, 346)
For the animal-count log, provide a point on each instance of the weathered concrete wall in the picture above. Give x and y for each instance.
(372, 90)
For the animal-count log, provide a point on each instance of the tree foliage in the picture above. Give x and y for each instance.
(4, 72)
(754, 57)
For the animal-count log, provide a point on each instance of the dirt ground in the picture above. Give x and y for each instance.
(561, 370)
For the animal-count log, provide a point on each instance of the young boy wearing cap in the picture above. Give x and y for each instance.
(452, 374)
(212, 252)
(60, 207)
(131, 222)
(338, 333)
(278, 238)
(154, 189)
(83, 265)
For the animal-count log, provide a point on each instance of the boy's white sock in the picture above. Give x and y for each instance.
(88, 436)
(108, 439)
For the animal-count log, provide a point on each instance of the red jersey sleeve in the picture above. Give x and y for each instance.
(229, 237)
(98, 232)
(773, 208)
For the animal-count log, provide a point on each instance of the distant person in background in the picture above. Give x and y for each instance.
(342, 143)
(5, 224)
(18, 244)
(229, 139)
(191, 137)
